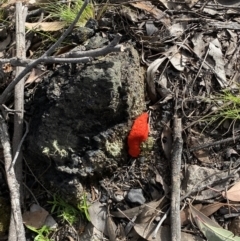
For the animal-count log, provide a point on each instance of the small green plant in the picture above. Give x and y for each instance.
(226, 107)
(67, 212)
(68, 13)
(83, 207)
(3, 16)
(64, 210)
(42, 233)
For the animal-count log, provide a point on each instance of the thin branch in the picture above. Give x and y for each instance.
(155, 232)
(20, 145)
(19, 89)
(176, 170)
(12, 182)
(21, 13)
(25, 62)
(71, 57)
(205, 145)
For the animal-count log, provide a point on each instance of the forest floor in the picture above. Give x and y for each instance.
(189, 51)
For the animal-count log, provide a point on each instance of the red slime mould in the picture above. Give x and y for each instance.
(138, 134)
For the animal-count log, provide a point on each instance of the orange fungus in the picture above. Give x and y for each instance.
(138, 134)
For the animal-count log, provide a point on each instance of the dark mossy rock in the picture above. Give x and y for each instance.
(80, 118)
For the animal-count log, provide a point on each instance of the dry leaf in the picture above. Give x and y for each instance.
(91, 233)
(164, 233)
(46, 26)
(151, 73)
(5, 43)
(185, 214)
(64, 49)
(233, 193)
(149, 210)
(35, 218)
(111, 228)
(211, 208)
(129, 213)
(153, 10)
(177, 29)
(150, 28)
(211, 230)
(129, 14)
(160, 180)
(232, 43)
(229, 2)
(7, 68)
(166, 140)
(177, 59)
(235, 226)
(199, 45)
(216, 53)
(200, 217)
(34, 76)
(98, 216)
(203, 154)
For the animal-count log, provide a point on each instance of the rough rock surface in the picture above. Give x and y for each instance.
(81, 118)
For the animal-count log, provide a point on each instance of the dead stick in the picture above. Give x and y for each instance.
(76, 56)
(230, 139)
(21, 13)
(176, 168)
(13, 185)
(19, 90)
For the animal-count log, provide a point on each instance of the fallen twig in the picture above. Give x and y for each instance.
(18, 149)
(71, 57)
(176, 168)
(154, 234)
(21, 13)
(13, 185)
(205, 145)
(25, 62)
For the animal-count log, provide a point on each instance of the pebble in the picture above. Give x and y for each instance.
(136, 196)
